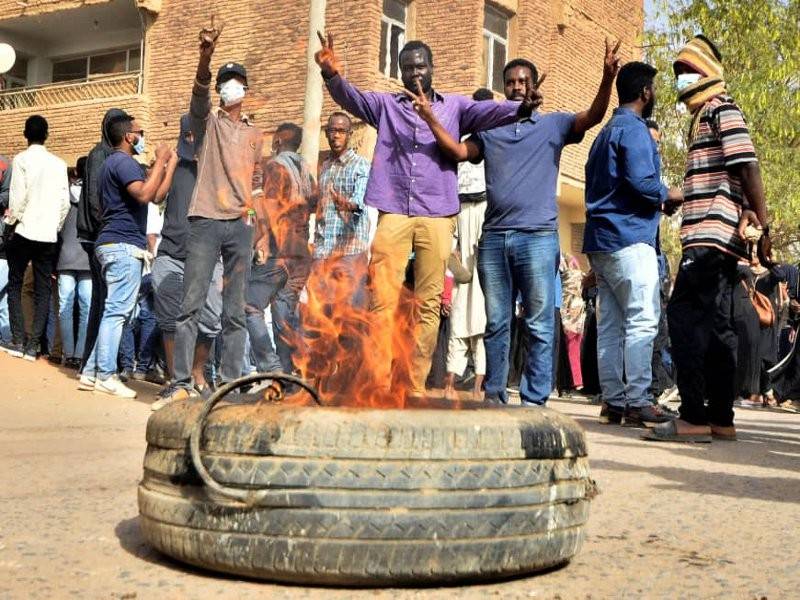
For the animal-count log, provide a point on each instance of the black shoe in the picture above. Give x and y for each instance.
(55, 359)
(645, 416)
(31, 352)
(73, 363)
(14, 349)
(156, 375)
(126, 375)
(611, 415)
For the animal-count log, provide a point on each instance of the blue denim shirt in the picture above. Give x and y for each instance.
(624, 192)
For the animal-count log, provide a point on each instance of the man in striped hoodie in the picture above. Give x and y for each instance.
(723, 195)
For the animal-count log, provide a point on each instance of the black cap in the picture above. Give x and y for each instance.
(229, 70)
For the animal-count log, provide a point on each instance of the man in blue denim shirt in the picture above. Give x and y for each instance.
(624, 201)
(121, 244)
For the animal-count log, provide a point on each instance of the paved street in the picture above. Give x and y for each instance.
(719, 521)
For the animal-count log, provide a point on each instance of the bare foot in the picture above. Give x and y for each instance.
(450, 393)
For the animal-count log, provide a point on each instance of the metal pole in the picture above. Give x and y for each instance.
(312, 109)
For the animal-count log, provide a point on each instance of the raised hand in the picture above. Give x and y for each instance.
(163, 152)
(326, 57)
(421, 103)
(208, 38)
(533, 97)
(611, 64)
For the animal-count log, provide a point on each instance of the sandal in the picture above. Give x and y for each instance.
(668, 432)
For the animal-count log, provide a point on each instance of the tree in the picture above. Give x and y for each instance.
(760, 48)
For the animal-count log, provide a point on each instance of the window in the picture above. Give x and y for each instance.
(17, 77)
(97, 65)
(495, 47)
(393, 34)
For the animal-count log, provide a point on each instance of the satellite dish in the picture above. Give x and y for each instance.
(7, 57)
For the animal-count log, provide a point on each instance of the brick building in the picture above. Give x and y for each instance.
(77, 58)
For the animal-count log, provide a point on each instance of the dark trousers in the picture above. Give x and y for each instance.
(19, 253)
(285, 319)
(703, 335)
(138, 348)
(263, 285)
(98, 302)
(208, 240)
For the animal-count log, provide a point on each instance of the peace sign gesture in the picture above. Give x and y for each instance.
(208, 38)
(611, 64)
(326, 57)
(421, 103)
(533, 97)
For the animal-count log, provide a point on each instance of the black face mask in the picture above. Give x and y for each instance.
(647, 111)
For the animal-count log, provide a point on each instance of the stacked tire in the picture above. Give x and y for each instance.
(366, 497)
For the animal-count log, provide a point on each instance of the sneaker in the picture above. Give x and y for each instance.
(55, 359)
(15, 350)
(114, 387)
(138, 376)
(645, 416)
(126, 375)
(86, 383)
(73, 363)
(611, 415)
(31, 352)
(170, 394)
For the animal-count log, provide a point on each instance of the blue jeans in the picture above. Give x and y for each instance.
(122, 273)
(137, 348)
(628, 309)
(524, 262)
(72, 286)
(5, 323)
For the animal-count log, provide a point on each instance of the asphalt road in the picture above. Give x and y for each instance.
(672, 521)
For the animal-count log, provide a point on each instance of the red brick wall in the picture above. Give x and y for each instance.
(270, 39)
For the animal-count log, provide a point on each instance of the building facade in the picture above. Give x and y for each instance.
(78, 58)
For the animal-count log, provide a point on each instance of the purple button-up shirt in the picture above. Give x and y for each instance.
(410, 175)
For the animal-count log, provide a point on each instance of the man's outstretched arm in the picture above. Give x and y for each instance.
(594, 114)
(364, 105)
(455, 150)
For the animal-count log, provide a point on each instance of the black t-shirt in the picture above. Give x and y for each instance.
(176, 223)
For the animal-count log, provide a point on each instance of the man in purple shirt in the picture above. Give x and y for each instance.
(414, 186)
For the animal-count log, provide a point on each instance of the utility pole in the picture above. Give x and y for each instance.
(312, 109)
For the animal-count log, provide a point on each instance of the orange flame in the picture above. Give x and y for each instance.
(353, 355)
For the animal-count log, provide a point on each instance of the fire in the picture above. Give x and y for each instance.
(353, 356)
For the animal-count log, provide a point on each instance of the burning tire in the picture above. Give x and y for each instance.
(365, 497)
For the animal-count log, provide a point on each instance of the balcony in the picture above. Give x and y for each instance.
(41, 96)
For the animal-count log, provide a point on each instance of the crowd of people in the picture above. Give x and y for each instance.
(193, 270)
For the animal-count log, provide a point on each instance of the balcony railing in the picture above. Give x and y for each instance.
(52, 94)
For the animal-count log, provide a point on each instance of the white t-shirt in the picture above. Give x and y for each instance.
(155, 222)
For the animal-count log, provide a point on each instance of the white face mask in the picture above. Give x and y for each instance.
(231, 92)
(686, 79)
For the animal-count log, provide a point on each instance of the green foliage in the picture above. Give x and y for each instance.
(760, 45)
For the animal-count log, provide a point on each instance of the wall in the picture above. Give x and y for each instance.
(565, 38)
(74, 128)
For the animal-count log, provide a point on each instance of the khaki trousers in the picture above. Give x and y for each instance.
(431, 239)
